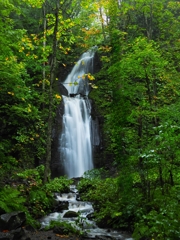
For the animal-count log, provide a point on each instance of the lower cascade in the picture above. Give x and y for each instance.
(77, 126)
(78, 214)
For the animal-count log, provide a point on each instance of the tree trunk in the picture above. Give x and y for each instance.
(50, 117)
(161, 179)
(44, 45)
(102, 24)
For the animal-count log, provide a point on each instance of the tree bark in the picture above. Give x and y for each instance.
(44, 45)
(50, 117)
(102, 24)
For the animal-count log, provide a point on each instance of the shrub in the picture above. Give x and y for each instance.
(65, 227)
(105, 196)
(11, 200)
(39, 196)
(161, 222)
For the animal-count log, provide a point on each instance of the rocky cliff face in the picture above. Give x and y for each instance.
(56, 164)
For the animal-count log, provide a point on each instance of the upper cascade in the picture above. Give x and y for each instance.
(77, 81)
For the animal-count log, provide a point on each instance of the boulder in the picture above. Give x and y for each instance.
(18, 234)
(70, 214)
(12, 221)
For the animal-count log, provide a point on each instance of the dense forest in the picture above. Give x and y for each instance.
(136, 92)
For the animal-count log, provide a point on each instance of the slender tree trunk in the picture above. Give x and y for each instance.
(140, 163)
(149, 23)
(171, 178)
(44, 45)
(102, 24)
(161, 179)
(50, 118)
(148, 90)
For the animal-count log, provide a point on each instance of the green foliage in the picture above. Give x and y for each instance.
(105, 196)
(39, 196)
(32, 221)
(89, 178)
(8, 164)
(60, 184)
(35, 174)
(66, 227)
(11, 200)
(161, 222)
(40, 202)
(37, 200)
(141, 129)
(137, 94)
(29, 194)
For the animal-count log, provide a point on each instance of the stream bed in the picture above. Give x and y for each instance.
(77, 213)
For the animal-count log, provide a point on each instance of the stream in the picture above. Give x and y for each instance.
(84, 209)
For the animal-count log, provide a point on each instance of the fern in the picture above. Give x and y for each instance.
(11, 200)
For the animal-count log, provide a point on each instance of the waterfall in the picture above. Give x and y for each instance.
(75, 139)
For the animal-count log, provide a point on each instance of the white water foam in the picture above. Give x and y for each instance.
(76, 138)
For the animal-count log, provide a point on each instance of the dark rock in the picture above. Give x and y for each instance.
(56, 166)
(61, 206)
(5, 236)
(105, 238)
(25, 238)
(30, 228)
(59, 230)
(63, 90)
(70, 214)
(76, 180)
(18, 233)
(12, 221)
(78, 197)
(70, 195)
(73, 94)
(97, 63)
(2, 211)
(90, 216)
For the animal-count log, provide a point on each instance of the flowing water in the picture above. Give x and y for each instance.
(76, 141)
(84, 209)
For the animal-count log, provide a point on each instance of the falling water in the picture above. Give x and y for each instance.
(75, 140)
